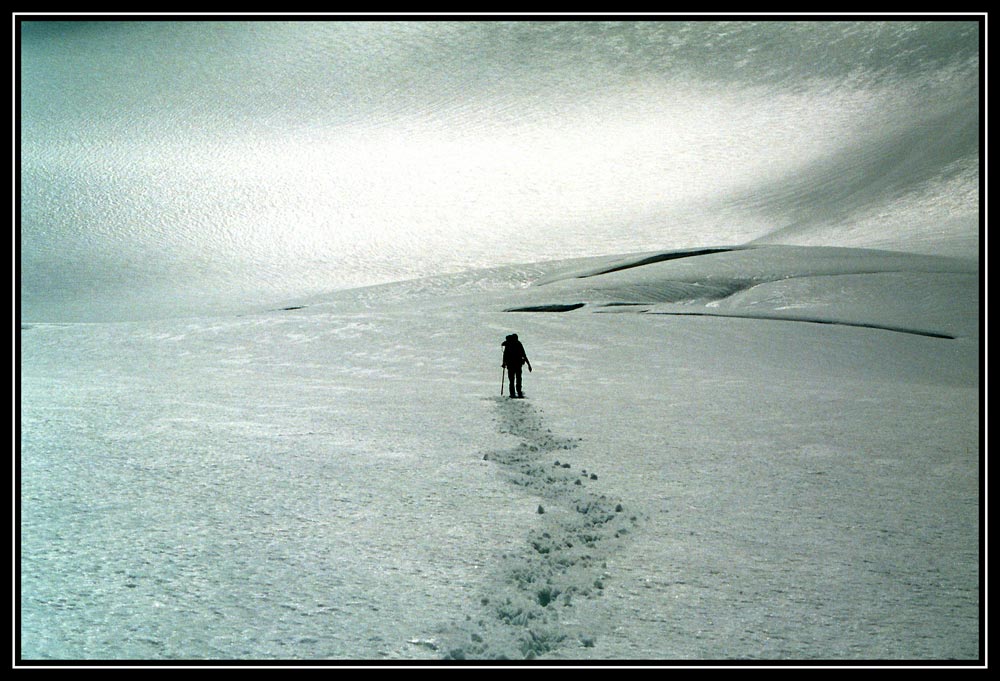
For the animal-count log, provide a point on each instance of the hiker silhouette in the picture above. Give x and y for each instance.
(514, 358)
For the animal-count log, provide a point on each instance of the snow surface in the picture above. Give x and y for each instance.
(340, 478)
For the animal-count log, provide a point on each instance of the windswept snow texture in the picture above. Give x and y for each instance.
(169, 168)
(340, 479)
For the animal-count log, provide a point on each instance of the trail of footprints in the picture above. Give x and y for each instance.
(530, 608)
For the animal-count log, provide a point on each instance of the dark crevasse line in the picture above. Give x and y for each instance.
(661, 257)
(547, 308)
(811, 320)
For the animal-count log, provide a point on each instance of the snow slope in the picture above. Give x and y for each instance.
(339, 478)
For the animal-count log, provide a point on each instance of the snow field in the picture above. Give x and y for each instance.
(342, 480)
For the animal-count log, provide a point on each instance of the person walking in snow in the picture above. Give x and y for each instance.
(514, 358)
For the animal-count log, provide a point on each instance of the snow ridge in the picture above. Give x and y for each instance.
(528, 610)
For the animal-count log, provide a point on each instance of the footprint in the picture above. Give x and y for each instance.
(523, 613)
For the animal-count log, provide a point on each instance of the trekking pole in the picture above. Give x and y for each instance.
(502, 372)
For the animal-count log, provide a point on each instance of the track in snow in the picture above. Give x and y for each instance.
(527, 608)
